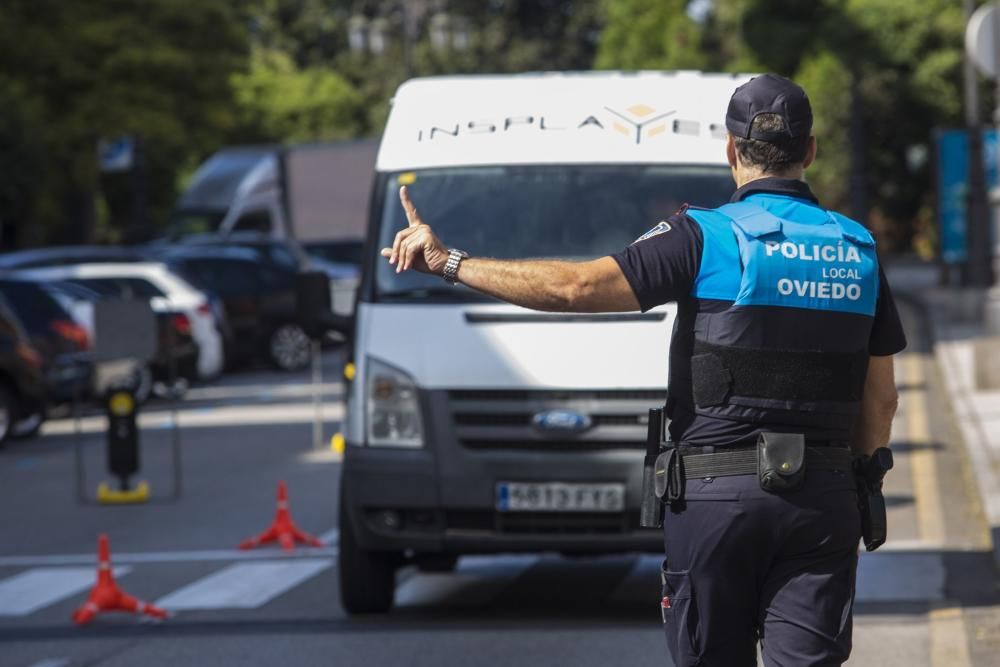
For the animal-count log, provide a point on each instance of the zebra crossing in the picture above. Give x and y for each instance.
(252, 581)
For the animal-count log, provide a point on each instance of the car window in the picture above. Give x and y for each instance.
(254, 221)
(272, 275)
(32, 305)
(121, 288)
(225, 277)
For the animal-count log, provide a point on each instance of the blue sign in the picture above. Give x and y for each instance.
(953, 187)
(117, 154)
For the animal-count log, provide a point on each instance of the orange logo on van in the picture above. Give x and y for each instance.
(639, 122)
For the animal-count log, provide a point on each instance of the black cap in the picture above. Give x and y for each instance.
(769, 93)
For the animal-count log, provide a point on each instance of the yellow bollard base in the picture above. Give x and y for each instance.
(108, 496)
(337, 443)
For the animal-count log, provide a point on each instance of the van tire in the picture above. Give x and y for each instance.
(367, 578)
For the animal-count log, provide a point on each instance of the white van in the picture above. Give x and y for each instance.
(474, 426)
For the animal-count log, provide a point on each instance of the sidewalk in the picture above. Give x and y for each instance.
(976, 410)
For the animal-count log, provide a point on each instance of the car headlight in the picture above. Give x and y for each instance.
(393, 411)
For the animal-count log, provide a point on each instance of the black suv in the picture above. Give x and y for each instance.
(62, 343)
(257, 286)
(22, 392)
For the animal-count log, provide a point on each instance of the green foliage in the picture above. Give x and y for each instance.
(277, 101)
(85, 70)
(826, 79)
(189, 77)
(650, 35)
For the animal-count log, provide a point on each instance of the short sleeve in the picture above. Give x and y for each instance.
(662, 264)
(887, 335)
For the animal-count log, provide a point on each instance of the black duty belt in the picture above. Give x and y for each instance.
(743, 461)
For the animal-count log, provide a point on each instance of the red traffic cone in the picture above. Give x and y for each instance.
(106, 596)
(282, 530)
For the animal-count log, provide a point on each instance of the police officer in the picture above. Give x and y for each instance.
(780, 368)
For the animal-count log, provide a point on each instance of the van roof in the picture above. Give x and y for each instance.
(558, 117)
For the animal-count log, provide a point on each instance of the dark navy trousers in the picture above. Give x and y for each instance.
(746, 565)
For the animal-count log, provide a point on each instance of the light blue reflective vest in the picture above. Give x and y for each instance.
(828, 264)
(798, 287)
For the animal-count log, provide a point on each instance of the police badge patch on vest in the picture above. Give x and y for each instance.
(661, 228)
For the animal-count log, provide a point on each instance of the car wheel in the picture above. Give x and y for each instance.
(28, 427)
(289, 347)
(367, 578)
(8, 408)
(142, 387)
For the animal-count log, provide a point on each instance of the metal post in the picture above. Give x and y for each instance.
(81, 477)
(317, 381)
(977, 204)
(175, 427)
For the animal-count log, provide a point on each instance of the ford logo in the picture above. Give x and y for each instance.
(561, 421)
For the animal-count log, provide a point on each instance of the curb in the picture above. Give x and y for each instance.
(971, 428)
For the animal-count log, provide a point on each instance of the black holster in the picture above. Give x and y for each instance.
(651, 510)
(868, 474)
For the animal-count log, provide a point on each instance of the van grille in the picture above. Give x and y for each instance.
(503, 419)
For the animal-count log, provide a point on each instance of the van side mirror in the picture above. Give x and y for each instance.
(314, 306)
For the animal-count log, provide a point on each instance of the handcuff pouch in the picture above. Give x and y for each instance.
(781, 461)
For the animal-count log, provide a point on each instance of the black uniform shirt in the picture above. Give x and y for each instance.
(663, 268)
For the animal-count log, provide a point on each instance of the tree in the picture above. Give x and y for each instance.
(158, 69)
(278, 101)
(650, 35)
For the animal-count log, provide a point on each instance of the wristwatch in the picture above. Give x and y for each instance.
(450, 273)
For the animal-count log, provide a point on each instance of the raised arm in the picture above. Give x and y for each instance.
(578, 287)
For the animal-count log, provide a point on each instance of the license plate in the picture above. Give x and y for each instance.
(559, 497)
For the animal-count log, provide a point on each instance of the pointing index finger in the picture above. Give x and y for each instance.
(411, 211)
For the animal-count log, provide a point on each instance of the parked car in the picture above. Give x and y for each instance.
(22, 391)
(80, 302)
(257, 287)
(60, 341)
(63, 255)
(167, 293)
(290, 255)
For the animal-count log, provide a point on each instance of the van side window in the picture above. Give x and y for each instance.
(258, 220)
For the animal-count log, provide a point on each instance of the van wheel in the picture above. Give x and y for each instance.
(289, 347)
(8, 408)
(367, 578)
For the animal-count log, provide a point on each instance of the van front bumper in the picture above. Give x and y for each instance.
(402, 500)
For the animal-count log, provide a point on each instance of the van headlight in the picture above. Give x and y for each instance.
(393, 411)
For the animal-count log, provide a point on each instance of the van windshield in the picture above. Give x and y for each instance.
(574, 212)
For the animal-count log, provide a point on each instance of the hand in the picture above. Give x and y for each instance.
(416, 247)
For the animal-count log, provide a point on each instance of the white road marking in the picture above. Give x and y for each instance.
(256, 390)
(30, 591)
(244, 415)
(243, 585)
(330, 537)
(301, 552)
(52, 662)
